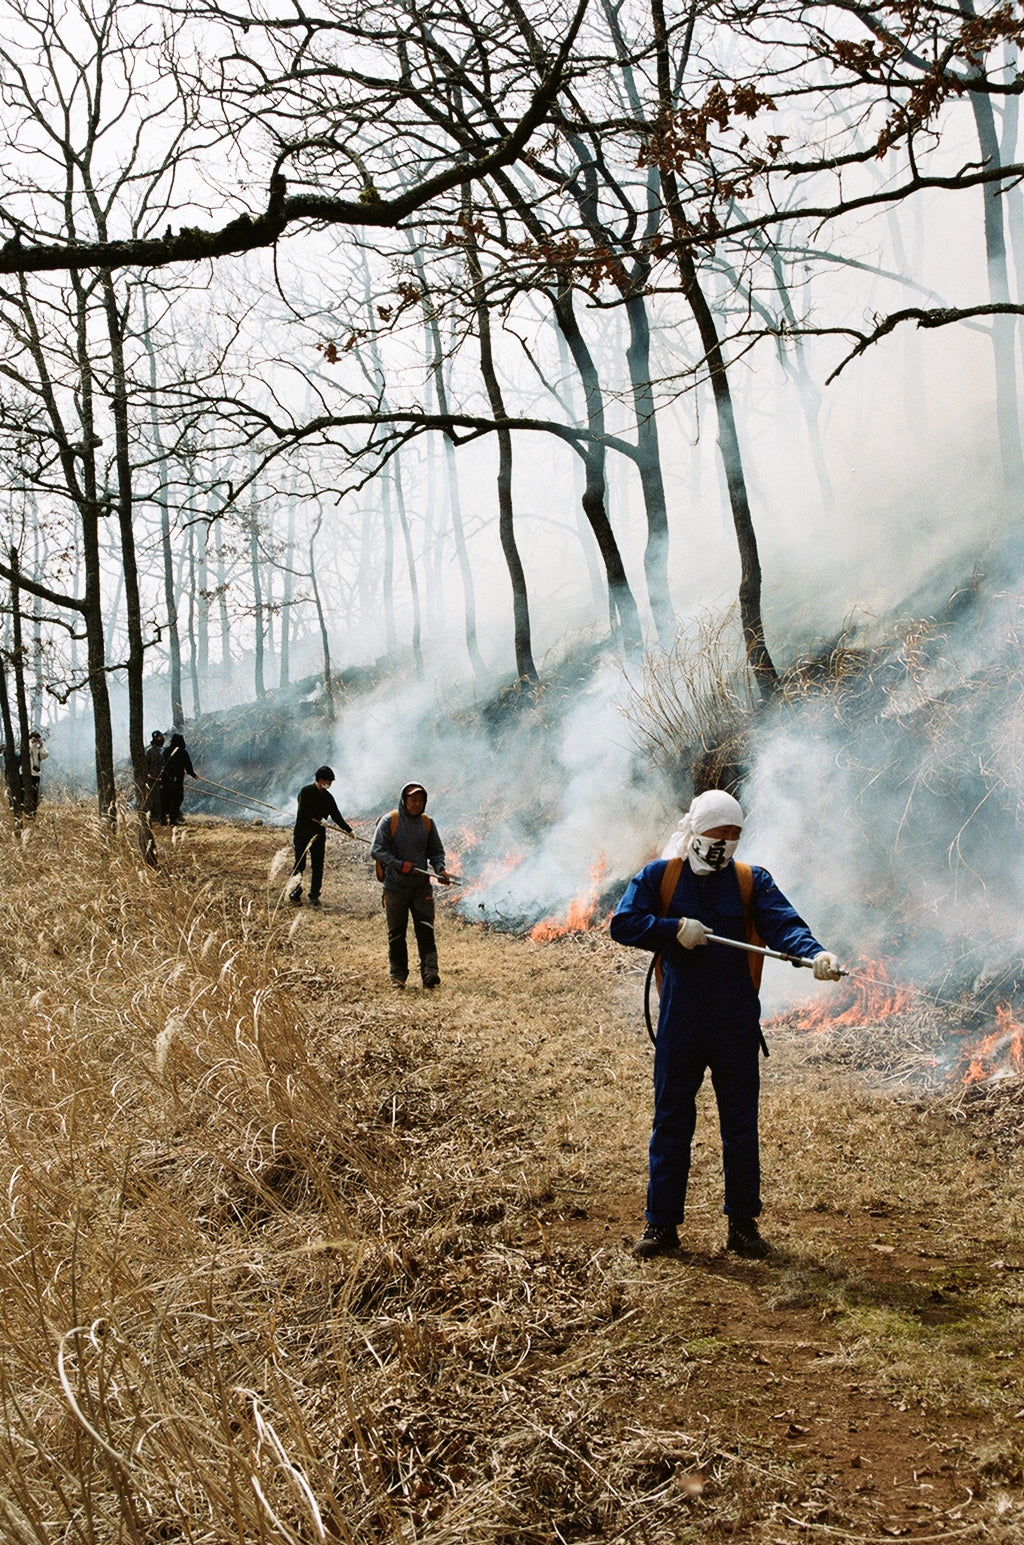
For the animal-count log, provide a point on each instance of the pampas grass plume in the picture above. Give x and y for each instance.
(164, 1041)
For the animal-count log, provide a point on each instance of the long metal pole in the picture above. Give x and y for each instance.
(757, 949)
(240, 794)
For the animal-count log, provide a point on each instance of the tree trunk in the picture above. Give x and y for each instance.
(751, 618)
(1004, 328)
(638, 359)
(452, 477)
(167, 554)
(202, 531)
(78, 471)
(394, 470)
(193, 607)
(222, 610)
(38, 558)
(388, 578)
(403, 521)
(12, 777)
(284, 675)
(623, 616)
(599, 588)
(620, 596)
(257, 602)
(129, 559)
(27, 802)
(325, 641)
(525, 668)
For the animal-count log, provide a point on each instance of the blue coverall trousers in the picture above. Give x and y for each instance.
(681, 1058)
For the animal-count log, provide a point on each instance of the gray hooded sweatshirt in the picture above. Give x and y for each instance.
(415, 841)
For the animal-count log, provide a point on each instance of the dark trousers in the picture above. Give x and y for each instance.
(681, 1059)
(313, 848)
(398, 908)
(171, 796)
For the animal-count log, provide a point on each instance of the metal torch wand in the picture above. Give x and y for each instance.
(733, 944)
(339, 831)
(759, 949)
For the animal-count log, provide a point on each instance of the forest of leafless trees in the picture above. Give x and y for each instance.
(349, 331)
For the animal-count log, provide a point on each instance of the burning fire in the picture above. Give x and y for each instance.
(493, 873)
(580, 916)
(998, 1053)
(864, 997)
(868, 996)
(463, 847)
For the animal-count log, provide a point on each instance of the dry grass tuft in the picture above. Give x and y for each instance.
(692, 709)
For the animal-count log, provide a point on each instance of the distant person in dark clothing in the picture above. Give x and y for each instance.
(316, 806)
(405, 842)
(154, 768)
(37, 754)
(176, 763)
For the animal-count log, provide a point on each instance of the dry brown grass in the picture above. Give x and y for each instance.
(692, 709)
(287, 1257)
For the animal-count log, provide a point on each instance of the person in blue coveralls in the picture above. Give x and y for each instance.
(710, 1011)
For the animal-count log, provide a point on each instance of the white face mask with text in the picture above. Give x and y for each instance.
(710, 854)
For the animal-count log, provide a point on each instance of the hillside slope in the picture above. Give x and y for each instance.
(291, 1256)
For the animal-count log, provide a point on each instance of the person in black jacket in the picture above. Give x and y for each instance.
(154, 773)
(176, 764)
(316, 806)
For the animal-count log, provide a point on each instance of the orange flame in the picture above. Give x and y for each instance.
(580, 916)
(493, 872)
(864, 997)
(996, 1052)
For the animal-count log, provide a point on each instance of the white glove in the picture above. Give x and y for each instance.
(826, 967)
(690, 933)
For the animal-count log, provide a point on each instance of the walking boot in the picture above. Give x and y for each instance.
(657, 1239)
(745, 1239)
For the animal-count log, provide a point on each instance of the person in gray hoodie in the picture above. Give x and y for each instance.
(405, 843)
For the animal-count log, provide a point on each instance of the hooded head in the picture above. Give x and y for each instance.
(413, 788)
(709, 812)
(177, 741)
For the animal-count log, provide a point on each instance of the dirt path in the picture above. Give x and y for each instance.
(863, 1383)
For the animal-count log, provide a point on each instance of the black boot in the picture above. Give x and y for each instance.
(745, 1239)
(657, 1239)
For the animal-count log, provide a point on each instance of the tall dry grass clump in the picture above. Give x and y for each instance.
(692, 708)
(174, 1158)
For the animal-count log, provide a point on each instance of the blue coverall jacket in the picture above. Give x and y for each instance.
(709, 1018)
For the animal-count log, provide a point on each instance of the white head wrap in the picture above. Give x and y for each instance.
(708, 810)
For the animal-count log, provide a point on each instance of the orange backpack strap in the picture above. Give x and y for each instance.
(378, 866)
(669, 881)
(745, 875)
